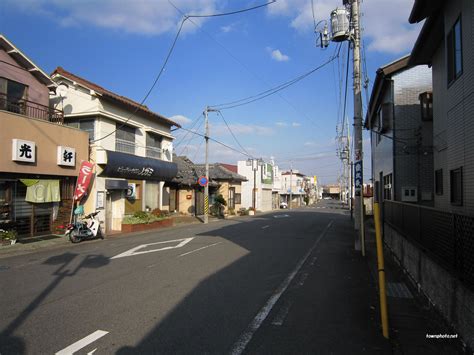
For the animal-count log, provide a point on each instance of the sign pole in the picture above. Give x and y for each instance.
(206, 187)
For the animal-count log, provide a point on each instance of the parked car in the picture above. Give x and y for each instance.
(283, 205)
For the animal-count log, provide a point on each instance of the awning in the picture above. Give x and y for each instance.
(127, 166)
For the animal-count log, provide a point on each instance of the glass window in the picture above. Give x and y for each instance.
(456, 186)
(153, 145)
(84, 125)
(125, 139)
(454, 52)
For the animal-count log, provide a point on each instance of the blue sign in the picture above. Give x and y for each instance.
(202, 181)
(358, 177)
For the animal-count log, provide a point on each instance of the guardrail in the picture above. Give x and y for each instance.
(31, 109)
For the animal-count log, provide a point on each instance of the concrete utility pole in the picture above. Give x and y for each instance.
(358, 153)
(291, 185)
(206, 188)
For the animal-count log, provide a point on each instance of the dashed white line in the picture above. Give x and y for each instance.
(78, 345)
(280, 318)
(193, 251)
(264, 227)
(241, 343)
(303, 279)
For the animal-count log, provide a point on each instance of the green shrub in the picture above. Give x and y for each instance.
(220, 200)
(141, 215)
(157, 212)
(8, 235)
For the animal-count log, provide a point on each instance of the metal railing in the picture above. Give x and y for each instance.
(153, 152)
(447, 237)
(31, 109)
(124, 146)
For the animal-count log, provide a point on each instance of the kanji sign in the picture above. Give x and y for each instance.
(85, 175)
(24, 151)
(66, 156)
(358, 177)
(202, 181)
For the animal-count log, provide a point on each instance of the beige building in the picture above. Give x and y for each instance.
(40, 157)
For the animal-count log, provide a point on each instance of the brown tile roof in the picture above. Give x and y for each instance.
(230, 167)
(106, 94)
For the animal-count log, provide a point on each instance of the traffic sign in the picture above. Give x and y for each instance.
(203, 181)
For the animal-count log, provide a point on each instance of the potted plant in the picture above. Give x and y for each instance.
(8, 237)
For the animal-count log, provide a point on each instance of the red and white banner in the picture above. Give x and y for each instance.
(85, 175)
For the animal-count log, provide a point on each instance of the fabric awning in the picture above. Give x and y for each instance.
(128, 166)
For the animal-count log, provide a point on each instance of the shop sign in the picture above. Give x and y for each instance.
(24, 151)
(84, 179)
(66, 156)
(358, 176)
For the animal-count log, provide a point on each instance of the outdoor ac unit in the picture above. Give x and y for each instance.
(409, 194)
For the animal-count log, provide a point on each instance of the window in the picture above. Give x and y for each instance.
(83, 125)
(231, 199)
(125, 139)
(153, 145)
(454, 52)
(456, 186)
(387, 187)
(439, 182)
(426, 103)
(12, 95)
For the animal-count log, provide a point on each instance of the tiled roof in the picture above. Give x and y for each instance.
(107, 94)
(230, 167)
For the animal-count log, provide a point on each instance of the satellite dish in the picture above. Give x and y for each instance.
(62, 90)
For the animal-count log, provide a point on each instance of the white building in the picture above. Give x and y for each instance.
(130, 145)
(292, 184)
(260, 176)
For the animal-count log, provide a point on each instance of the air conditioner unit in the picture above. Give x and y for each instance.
(409, 194)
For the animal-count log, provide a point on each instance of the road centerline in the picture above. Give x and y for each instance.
(196, 250)
(247, 335)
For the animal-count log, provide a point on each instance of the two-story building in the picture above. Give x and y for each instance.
(400, 121)
(40, 157)
(130, 145)
(292, 188)
(259, 184)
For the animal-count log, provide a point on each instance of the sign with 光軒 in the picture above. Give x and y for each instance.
(66, 156)
(24, 151)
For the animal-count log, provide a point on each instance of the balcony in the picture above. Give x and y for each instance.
(31, 109)
(124, 146)
(153, 152)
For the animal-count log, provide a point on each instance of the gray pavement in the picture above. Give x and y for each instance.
(282, 282)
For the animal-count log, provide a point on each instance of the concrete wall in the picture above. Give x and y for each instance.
(37, 92)
(447, 293)
(47, 136)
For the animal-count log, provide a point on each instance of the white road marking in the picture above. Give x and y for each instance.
(193, 251)
(280, 318)
(240, 345)
(134, 251)
(92, 352)
(281, 216)
(78, 345)
(313, 261)
(265, 227)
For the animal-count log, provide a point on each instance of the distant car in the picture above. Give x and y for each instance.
(327, 198)
(283, 205)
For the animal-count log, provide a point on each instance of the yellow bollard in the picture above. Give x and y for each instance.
(381, 271)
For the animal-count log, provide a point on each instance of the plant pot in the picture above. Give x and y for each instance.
(251, 213)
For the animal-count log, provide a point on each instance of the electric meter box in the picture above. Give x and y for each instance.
(340, 24)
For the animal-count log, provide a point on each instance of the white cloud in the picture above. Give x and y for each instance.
(385, 23)
(296, 124)
(281, 124)
(277, 55)
(133, 16)
(309, 144)
(182, 120)
(241, 129)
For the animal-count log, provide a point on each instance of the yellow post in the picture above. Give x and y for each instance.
(381, 270)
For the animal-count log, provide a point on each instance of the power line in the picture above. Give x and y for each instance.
(192, 137)
(233, 135)
(269, 92)
(170, 51)
(186, 134)
(302, 113)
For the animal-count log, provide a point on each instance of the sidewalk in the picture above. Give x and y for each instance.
(411, 317)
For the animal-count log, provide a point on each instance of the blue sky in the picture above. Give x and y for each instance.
(121, 45)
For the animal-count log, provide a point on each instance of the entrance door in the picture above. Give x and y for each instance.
(231, 202)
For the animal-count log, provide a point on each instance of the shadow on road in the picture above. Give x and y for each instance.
(10, 344)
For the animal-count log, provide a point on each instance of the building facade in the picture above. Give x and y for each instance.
(130, 145)
(40, 157)
(260, 178)
(402, 133)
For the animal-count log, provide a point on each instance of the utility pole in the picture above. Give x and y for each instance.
(291, 185)
(358, 153)
(206, 188)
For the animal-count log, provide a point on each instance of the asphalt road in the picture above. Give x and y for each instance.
(192, 289)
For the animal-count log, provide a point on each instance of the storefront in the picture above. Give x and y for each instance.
(128, 183)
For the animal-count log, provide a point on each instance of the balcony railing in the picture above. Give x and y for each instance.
(124, 146)
(153, 152)
(31, 109)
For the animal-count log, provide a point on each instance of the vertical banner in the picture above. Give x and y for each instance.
(84, 179)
